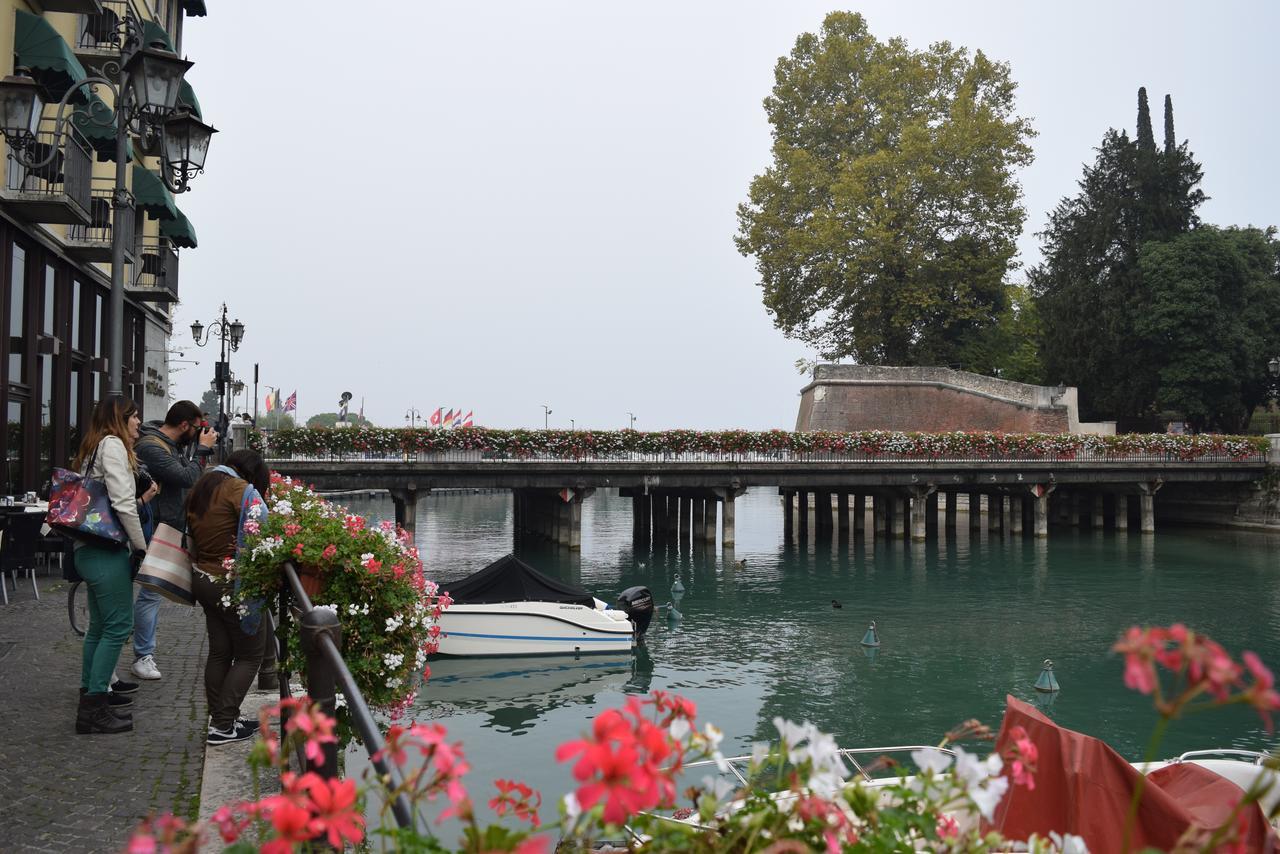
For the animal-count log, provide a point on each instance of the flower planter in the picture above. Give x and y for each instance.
(311, 578)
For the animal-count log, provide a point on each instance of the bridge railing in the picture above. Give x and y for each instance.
(764, 457)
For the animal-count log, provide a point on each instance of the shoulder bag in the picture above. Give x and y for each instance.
(80, 508)
(167, 567)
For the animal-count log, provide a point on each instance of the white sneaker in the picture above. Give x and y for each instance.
(145, 668)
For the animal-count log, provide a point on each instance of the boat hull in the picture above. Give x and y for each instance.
(533, 628)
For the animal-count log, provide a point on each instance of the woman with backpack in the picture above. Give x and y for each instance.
(106, 454)
(220, 504)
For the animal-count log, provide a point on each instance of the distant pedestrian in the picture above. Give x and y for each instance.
(106, 453)
(175, 452)
(220, 504)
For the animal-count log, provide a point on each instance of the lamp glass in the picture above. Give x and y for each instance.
(237, 332)
(197, 329)
(20, 105)
(186, 141)
(155, 76)
(1274, 366)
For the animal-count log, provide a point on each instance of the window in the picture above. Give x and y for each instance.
(46, 319)
(74, 344)
(46, 418)
(73, 413)
(14, 448)
(97, 324)
(17, 302)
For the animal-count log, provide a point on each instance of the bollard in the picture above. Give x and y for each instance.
(322, 681)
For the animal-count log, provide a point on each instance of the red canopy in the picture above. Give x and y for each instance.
(1084, 787)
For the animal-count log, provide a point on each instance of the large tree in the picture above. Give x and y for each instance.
(885, 226)
(1089, 289)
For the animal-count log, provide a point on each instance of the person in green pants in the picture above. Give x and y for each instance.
(106, 453)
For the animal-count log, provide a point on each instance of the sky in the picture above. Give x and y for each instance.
(504, 206)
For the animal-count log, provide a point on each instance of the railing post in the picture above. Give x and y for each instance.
(322, 681)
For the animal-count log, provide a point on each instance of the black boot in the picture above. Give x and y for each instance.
(94, 715)
(120, 706)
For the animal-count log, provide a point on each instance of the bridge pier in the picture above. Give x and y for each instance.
(802, 526)
(842, 515)
(788, 516)
(822, 509)
(993, 512)
(709, 526)
(879, 516)
(975, 512)
(1015, 515)
(1122, 512)
(859, 515)
(1041, 515)
(1147, 506)
(729, 533)
(919, 504)
(950, 512)
(901, 507)
(405, 502)
(699, 521)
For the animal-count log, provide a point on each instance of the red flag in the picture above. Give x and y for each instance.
(448, 419)
(435, 417)
(467, 422)
(292, 403)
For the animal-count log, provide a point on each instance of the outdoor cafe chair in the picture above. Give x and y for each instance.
(18, 550)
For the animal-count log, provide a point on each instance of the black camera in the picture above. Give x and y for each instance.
(142, 480)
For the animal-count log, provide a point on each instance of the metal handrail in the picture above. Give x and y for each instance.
(322, 632)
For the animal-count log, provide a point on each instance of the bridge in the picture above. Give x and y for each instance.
(688, 495)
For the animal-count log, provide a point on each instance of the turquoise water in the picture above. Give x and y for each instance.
(962, 621)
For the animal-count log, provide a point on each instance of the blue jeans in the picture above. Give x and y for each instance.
(146, 614)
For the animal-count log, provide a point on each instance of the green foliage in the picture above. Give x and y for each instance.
(209, 403)
(1089, 289)
(1211, 323)
(1010, 347)
(328, 419)
(277, 419)
(886, 223)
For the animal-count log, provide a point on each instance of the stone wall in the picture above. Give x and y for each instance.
(863, 397)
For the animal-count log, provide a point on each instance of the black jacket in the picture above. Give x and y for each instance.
(170, 468)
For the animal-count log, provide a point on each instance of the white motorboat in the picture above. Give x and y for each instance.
(510, 609)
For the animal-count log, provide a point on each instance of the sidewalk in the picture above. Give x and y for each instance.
(63, 792)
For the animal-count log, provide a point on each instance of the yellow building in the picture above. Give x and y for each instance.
(56, 230)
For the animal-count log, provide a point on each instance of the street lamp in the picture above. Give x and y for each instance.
(546, 414)
(145, 95)
(412, 417)
(633, 420)
(571, 424)
(230, 333)
(1274, 366)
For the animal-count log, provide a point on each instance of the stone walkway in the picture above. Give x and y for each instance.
(63, 792)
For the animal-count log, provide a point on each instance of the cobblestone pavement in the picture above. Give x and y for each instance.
(63, 792)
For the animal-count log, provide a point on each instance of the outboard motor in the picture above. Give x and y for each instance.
(637, 604)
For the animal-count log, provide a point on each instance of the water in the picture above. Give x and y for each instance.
(963, 622)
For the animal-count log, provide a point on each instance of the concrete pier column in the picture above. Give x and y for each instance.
(859, 514)
(949, 514)
(919, 504)
(931, 514)
(405, 502)
(842, 515)
(901, 508)
(561, 521)
(1074, 509)
(575, 522)
(822, 519)
(1042, 515)
(993, 512)
(1098, 516)
(729, 533)
(1147, 512)
(879, 515)
(699, 520)
(686, 517)
(975, 511)
(1122, 512)
(802, 518)
(1015, 514)
(788, 517)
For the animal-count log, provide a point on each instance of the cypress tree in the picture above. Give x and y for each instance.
(1170, 143)
(1146, 138)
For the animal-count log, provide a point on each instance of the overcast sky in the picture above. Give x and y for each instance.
(496, 206)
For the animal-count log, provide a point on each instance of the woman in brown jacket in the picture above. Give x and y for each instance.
(220, 503)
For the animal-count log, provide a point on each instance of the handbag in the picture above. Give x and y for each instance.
(166, 569)
(80, 508)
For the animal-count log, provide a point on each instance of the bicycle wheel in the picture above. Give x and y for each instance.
(78, 607)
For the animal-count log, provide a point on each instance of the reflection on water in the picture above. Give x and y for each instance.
(963, 620)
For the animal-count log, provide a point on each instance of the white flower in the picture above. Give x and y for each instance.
(759, 753)
(792, 734)
(394, 623)
(1068, 843)
(255, 510)
(284, 508)
(988, 797)
(679, 729)
(333, 608)
(366, 557)
(392, 659)
(717, 786)
(226, 600)
(931, 759)
(981, 780)
(572, 809)
(393, 682)
(339, 701)
(353, 609)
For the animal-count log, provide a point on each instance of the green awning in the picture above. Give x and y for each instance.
(180, 231)
(37, 45)
(151, 195)
(187, 96)
(153, 32)
(195, 8)
(102, 137)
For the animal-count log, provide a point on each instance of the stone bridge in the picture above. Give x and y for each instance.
(688, 496)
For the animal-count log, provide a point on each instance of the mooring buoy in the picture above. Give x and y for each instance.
(872, 637)
(1047, 682)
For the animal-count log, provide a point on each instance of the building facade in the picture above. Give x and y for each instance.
(56, 227)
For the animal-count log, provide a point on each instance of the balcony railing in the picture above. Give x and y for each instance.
(99, 34)
(59, 191)
(155, 271)
(92, 242)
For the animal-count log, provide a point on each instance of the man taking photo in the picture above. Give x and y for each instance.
(174, 452)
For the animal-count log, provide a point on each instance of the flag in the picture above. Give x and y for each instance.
(448, 419)
(467, 422)
(276, 404)
(435, 417)
(457, 419)
(270, 402)
(362, 409)
(292, 403)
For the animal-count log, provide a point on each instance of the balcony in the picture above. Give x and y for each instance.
(155, 271)
(92, 242)
(99, 32)
(59, 191)
(86, 7)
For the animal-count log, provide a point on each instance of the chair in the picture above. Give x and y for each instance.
(18, 550)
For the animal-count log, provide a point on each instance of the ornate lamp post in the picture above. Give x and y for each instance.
(145, 96)
(230, 333)
(633, 420)
(546, 415)
(412, 417)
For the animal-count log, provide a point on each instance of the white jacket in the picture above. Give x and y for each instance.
(111, 466)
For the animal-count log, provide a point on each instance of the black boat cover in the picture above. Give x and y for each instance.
(509, 579)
